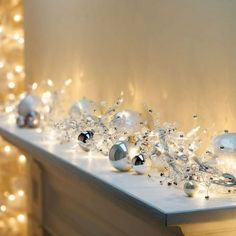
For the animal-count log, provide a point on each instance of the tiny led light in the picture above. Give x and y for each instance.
(7, 149)
(11, 85)
(50, 83)
(68, 82)
(20, 193)
(17, 17)
(3, 208)
(21, 218)
(34, 86)
(22, 158)
(18, 68)
(12, 197)
(9, 109)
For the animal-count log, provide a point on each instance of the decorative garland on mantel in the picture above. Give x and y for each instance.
(161, 151)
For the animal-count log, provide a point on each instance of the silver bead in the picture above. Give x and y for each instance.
(32, 120)
(128, 120)
(83, 138)
(84, 107)
(20, 121)
(141, 165)
(119, 156)
(190, 188)
(28, 104)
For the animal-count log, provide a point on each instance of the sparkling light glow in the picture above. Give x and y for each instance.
(21, 218)
(22, 158)
(17, 17)
(7, 149)
(12, 197)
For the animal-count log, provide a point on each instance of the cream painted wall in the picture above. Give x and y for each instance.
(176, 55)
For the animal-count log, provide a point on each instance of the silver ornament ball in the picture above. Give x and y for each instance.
(128, 120)
(141, 165)
(83, 138)
(190, 188)
(119, 156)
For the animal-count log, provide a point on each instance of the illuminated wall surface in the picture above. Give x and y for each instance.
(177, 56)
(13, 168)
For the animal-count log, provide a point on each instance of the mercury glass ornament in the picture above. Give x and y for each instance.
(141, 165)
(128, 120)
(83, 138)
(28, 104)
(224, 146)
(119, 156)
(190, 188)
(32, 119)
(84, 107)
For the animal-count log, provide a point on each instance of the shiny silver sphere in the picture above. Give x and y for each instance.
(83, 138)
(28, 104)
(84, 107)
(128, 120)
(190, 188)
(20, 121)
(141, 165)
(119, 156)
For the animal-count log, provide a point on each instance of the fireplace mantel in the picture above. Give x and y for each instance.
(82, 193)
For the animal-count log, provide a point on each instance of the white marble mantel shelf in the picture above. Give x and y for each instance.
(164, 202)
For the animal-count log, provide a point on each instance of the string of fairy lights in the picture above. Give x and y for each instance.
(161, 151)
(13, 163)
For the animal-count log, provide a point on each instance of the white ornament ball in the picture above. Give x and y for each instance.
(28, 104)
(119, 156)
(84, 107)
(225, 143)
(224, 147)
(127, 120)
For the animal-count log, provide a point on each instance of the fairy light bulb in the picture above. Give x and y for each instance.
(34, 86)
(21, 218)
(19, 68)
(11, 85)
(11, 197)
(68, 82)
(20, 193)
(3, 208)
(17, 18)
(50, 83)
(22, 159)
(7, 149)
